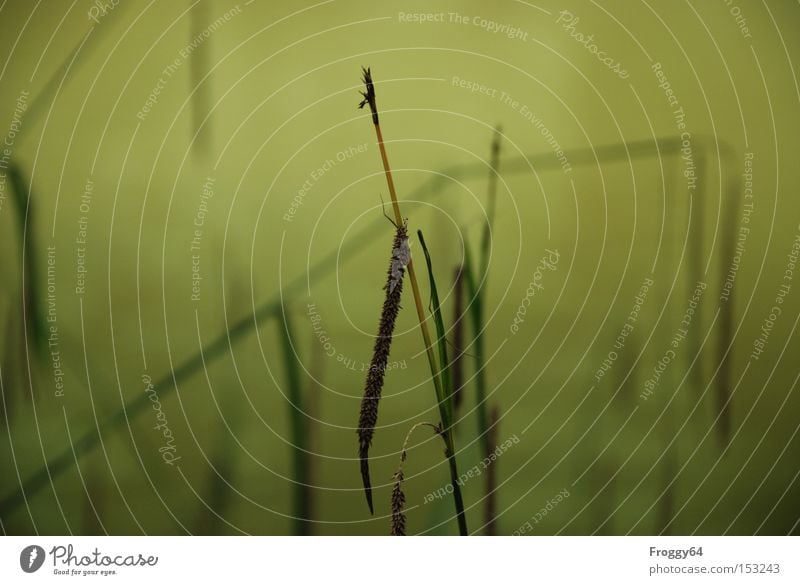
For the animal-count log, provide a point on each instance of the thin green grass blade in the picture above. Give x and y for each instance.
(446, 388)
(445, 393)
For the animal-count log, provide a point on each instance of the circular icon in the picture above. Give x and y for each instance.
(31, 558)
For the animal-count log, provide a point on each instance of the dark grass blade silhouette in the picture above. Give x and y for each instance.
(490, 505)
(301, 490)
(457, 363)
(34, 317)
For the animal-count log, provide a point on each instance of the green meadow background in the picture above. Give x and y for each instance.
(256, 108)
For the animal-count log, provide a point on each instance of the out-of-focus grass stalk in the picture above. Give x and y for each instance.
(666, 509)
(696, 258)
(301, 490)
(477, 287)
(34, 317)
(457, 364)
(490, 501)
(91, 522)
(476, 318)
(312, 406)
(491, 203)
(445, 393)
(722, 389)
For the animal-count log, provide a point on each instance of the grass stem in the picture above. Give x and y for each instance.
(369, 98)
(445, 396)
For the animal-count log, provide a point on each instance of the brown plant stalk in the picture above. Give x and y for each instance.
(369, 99)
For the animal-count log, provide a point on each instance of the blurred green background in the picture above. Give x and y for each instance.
(205, 120)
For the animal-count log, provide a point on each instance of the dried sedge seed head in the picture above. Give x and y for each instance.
(398, 503)
(369, 94)
(380, 355)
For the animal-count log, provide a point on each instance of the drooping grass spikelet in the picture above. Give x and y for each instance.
(398, 502)
(380, 354)
(398, 497)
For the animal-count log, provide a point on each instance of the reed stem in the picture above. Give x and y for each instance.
(445, 398)
(426, 336)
